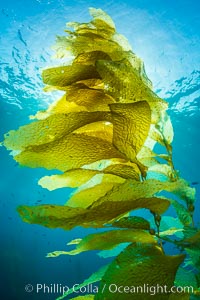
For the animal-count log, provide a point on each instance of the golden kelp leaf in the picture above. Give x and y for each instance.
(91, 99)
(165, 127)
(171, 226)
(59, 107)
(101, 28)
(93, 83)
(155, 135)
(91, 42)
(91, 57)
(66, 217)
(108, 240)
(147, 157)
(88, 30)
(131, 122)
(101, 129)
(114, 252)
(72, 178)
(145, 152)
(101, 25)
(88, 196)
(94, 189)
(104, 163)
(133, 190)
(162, 169)
(184, 191)
(120, 200)
(149, 187)
(62, 106)
(136, 266)
(126, 85)
(132, 222)
(124, 171)
(182, 213)
(77, 177)
(95, 277)
(101, 20)
(67, 153)
(78, 99)
(66, 75)
(119, 208)
(50, 129)
(171, 231)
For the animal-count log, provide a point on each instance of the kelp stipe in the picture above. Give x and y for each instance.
(101, 135)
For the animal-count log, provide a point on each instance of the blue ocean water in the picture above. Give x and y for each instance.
(166, 35)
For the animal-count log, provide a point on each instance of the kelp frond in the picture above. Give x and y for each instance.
(101, 134)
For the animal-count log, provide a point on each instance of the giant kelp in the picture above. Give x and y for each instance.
(101, 135)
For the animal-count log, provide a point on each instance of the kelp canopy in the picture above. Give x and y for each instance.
(101, 134)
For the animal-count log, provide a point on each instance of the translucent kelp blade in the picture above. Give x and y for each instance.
(133, 190)
(66, 75)
(79, 99)
(165, 127)
(154, 204)
(124, 171)
(77, 177)
(78, 44)
(93, 100)
(50, 129)
(108, 240)
(131, 123)
(170, 226)
(67, 153)
(114, 252)
(92, 83)
(54, 216)
(96, 27)
(90, 58)
(72, 178)
(146, 152)
(100, 178)
(126, 85)
(172, 231)
(182, 213)
(88, 196)
(101, 20)
(95, 277)
(94, 189)
(89, 30)
(164, 169)
(184, 191)
(102, 129)
(136, 266)
(132, 222)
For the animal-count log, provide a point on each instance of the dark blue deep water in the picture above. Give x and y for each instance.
(166, 35)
